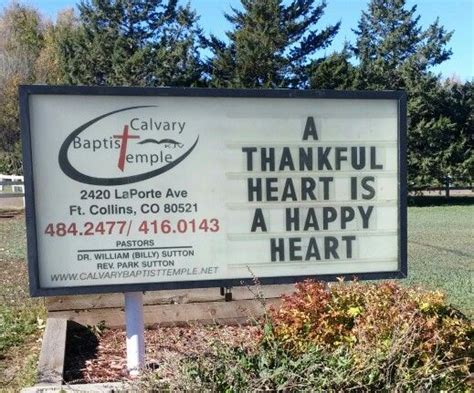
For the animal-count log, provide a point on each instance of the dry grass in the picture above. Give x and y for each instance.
(21, 318)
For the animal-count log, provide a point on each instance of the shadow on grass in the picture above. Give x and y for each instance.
(81, 345)
(444, 249)
(432, 200)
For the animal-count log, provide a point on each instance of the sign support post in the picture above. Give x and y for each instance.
(135, 332)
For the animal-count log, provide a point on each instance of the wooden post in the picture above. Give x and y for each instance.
(53, 349)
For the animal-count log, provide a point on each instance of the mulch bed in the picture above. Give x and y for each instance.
(98, 358)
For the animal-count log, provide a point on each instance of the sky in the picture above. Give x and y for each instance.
(454, 15)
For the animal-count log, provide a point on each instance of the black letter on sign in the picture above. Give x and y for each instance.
(294, 248)
(277, 251)
(254, 189)
(249, 151)
(366, 186)
(292, 219)
(353, 188)
(310, 129)
(330, 247)
(373, 159)
(348, 240)
(258, 221)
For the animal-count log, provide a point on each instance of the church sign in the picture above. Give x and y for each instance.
(132, 189)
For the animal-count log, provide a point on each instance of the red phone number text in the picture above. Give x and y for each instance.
(101, 228)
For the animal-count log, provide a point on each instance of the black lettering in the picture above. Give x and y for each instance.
(367, 187)
(308, 184)
(254, 190)
(294, 248)
(347, 215)
(340, 157)
(330, 247)
(132, 125)
(289, 191)
(326, 181)
(267, 160)
(329, 215)
(348, 240)
(310, 129)
(249, 155)
(353, 188)
(258, 221)
(358, 160)
(365, 215)
(277, 251)
(306, 159)
(286, 160)
(292, 219)
(312, 251)
(271, 189)
(373, 159)
(323, 153)
(311, 221)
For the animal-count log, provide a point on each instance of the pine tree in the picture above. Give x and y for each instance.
(271, 44)
(334, 72)
(133, 42)
(392, 48)
(395, 52)
(459, 107)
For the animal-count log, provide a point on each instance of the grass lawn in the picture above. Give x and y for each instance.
(440, 252)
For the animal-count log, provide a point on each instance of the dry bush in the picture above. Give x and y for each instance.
(347, 336)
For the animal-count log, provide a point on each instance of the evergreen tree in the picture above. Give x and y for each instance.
(271, 44)
(133, 42)
(392, 48)
(459, 155)
(394, 52)
(334, 72)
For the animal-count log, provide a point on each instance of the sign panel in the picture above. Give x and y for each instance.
(139, 189)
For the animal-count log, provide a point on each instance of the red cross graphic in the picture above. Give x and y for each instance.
(123, 146)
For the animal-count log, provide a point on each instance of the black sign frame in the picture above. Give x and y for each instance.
(30, 210)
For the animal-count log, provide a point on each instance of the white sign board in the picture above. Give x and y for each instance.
(138, 189)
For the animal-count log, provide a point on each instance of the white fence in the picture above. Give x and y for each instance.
(15, 185)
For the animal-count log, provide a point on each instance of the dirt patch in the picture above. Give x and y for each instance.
(18, 366)
(105, 360)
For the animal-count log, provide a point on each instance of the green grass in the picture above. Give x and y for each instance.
(12, 239)
(441, 252)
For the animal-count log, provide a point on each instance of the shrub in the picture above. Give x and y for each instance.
(16, 324)
(348, 336)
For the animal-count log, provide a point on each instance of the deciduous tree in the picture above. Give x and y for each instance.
(21, 40)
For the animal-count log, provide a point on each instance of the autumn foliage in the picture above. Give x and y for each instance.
(348, 336)
(407, 326)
